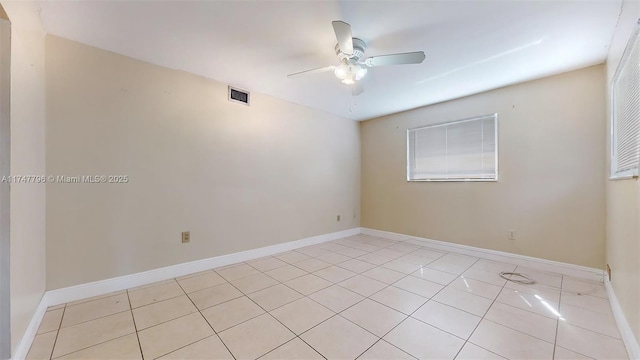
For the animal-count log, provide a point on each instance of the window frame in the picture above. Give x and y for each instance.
(475, 118)
(624, 60)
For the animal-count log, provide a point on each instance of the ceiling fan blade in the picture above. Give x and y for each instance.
(396, 59)
(343, 35)
(357, 88)
(312, 71)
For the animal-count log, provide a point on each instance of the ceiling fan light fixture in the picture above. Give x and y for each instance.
(350, 73)
(341, 72)
(348, 81)
(361, 72)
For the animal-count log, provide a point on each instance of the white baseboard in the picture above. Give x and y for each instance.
(72, 293)
(63, 295)
(30, 333)
(629, 339)
(578, 271)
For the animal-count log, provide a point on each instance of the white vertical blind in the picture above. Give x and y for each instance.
(625, 119)
(459, 150)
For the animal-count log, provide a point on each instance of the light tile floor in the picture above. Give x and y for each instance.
(359, 297)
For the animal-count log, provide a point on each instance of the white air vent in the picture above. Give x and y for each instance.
(238, 95)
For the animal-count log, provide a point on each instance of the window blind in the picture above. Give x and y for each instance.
(625, 105)
(455, 151)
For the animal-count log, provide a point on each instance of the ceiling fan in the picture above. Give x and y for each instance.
(353, 66)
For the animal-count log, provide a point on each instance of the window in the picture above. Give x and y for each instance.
(464, 150)
(625, 112)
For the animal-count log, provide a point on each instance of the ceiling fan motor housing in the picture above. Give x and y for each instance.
(359, 47)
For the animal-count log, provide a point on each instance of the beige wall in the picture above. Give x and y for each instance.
(623, 199)
(237, 177)
(551, 165)
(27, 224)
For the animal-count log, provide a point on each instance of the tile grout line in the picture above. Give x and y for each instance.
(303, 296)
(135, 326)
(184, 293)
(165, 321)
(407, 315)
(429, 299)
(352, 305)
(580, 327)
(520, 331)
(97, 298)
(90, 320)
(530, 312)
(482, 318)
(191, 343)
(192, 275)
(391, 284)
(555, 338)
(281, 345)
(64, 309)
(578, 293)
(96, 344)
(89, 347)
(269, 311)
(179, 317)
(311, 273)
(355, 274)
(215, 333)
(276, 319)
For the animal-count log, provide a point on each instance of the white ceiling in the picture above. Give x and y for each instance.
(471, 46)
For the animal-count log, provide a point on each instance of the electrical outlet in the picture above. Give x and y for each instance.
(186, 236)
(609, 271)
(338, 218)
(512, 234)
